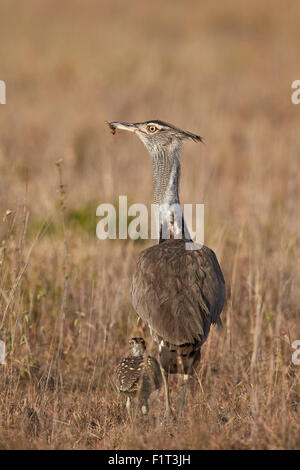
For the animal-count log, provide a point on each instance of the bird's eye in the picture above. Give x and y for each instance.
(151, 128)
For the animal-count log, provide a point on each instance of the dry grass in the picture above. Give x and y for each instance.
(221, 69)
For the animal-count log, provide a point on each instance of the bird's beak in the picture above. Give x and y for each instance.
(124, 126)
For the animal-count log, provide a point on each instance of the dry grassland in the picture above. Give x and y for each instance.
(220, 69)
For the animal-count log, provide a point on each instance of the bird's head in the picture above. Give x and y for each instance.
(156, 135)
(137, 346)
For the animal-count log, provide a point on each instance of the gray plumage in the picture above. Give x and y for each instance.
(178, 293)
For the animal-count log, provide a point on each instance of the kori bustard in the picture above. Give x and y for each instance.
(176, 291)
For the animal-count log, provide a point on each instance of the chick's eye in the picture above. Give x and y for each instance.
(152, 128)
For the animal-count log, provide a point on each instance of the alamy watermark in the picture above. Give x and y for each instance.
(295, 97)
(2, 92)
(165, 222)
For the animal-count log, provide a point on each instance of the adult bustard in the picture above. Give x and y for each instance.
(138, 375)
(177, 292)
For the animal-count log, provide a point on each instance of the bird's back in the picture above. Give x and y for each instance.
(178, 293)
(138, 374)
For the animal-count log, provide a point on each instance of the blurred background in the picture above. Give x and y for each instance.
(219, 69)
(223, 70)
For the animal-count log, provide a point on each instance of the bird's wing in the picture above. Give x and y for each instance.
(128, 373)
(153, 373)
(178, 292)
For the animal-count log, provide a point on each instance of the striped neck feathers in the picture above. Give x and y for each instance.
(166, 176)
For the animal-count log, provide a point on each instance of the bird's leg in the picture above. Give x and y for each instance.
(183, 394)
(168, 409)
(141, 396)
(141, 326)
(145, 407)
(128, 406)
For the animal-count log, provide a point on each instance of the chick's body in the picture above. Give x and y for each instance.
(138, 375)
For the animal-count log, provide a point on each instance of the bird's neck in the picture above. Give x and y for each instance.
(138, 352)
(166, 175)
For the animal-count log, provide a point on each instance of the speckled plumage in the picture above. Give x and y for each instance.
(138, 375)
(135, 372)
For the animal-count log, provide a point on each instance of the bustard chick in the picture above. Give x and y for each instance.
(138, 375)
